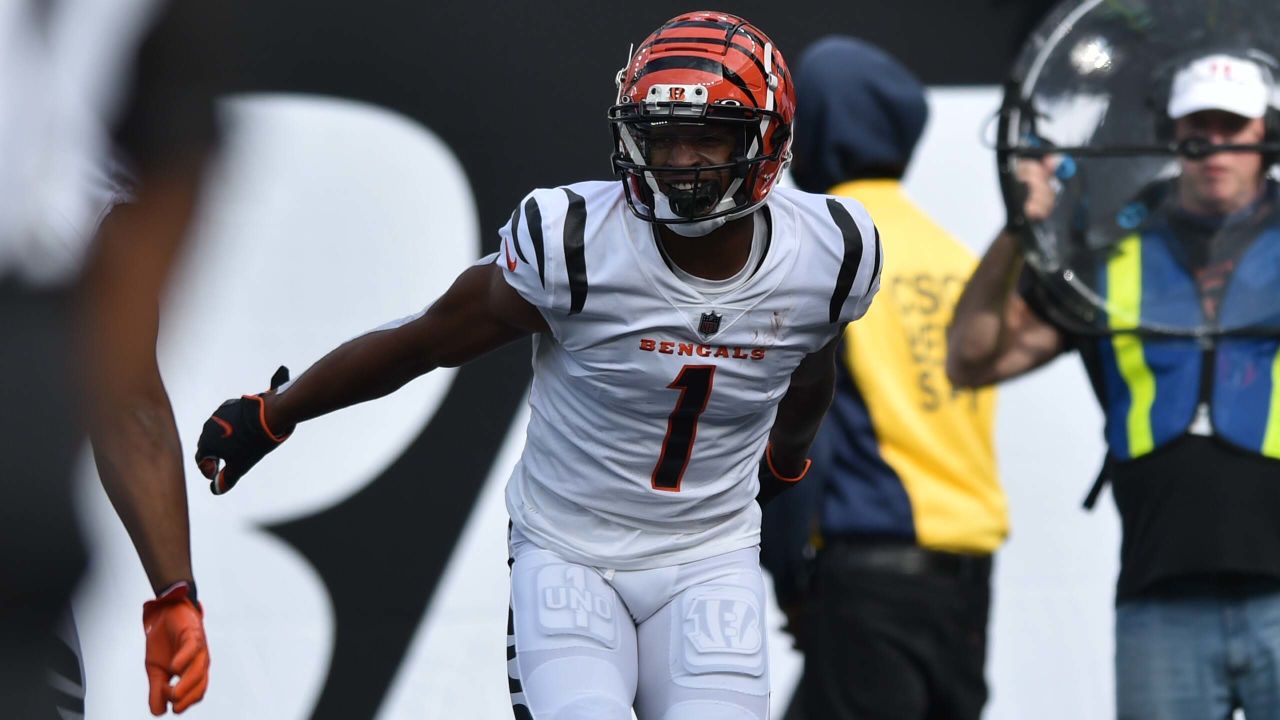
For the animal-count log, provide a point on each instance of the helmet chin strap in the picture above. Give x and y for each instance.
(665, 215)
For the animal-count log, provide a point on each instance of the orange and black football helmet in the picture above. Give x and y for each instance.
(703, 68)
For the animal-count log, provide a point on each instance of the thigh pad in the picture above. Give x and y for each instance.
(573, 606)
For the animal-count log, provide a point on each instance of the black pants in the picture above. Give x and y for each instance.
(41, 553)
(892, 632)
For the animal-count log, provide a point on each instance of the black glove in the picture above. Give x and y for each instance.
(771, 483)
(237, 434)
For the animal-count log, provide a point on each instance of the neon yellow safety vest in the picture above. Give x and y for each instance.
(1153, 387)
(913, 457)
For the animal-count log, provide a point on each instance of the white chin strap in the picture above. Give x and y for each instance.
(663, 213)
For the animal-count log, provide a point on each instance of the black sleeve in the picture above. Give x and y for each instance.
(180, 67)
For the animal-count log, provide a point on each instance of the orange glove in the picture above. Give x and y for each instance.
(174, 624)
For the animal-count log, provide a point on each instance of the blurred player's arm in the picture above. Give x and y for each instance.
(165, 134)
(166, 131)
(994, 334)
(800, 413)
(131, 424)
(480, 312)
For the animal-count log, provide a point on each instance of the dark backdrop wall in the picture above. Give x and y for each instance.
(519, 91)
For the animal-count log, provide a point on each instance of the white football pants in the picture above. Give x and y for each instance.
(685, 642)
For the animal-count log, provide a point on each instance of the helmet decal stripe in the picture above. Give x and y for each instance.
(693, 62)
(533, 219)
(769, 82)
(708, 41)
(575, 255)
(712, 24)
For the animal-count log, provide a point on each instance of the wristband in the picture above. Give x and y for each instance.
(182, 589)
(768, 458)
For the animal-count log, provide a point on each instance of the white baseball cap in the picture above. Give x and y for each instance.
(1221, 82)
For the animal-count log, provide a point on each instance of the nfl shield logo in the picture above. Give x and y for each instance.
(709, 324)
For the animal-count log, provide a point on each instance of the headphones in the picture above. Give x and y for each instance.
(1163, 80)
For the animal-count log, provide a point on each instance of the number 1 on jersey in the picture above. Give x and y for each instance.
(694, 383)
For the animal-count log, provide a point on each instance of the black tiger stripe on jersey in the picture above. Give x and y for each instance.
(575, 256)
(852, 255)
(693, 62)
(514, 686)
(515, 235)
(533, 218)
(875, 270)
(767, 218)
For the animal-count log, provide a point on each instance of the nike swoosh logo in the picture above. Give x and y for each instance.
(226, 426)
(511, 262)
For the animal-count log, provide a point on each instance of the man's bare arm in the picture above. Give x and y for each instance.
(800, 412)
(994, 335)
(130, 422)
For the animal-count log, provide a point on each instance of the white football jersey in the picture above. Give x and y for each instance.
(63, 67)
(651, 403)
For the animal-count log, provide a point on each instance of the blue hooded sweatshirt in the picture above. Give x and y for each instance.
(860, 114)
(859, 118)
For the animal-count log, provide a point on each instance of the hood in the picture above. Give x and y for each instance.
(859, 115)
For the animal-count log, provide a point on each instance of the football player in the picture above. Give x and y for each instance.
(79, 314)
(683, 325)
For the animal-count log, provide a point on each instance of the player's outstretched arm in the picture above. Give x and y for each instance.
(478, 313)
(800, 413)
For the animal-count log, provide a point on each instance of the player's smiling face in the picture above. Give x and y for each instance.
(692, 146)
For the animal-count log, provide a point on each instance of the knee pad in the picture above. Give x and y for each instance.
(592, 707)
(712, 710)
(576, 687)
